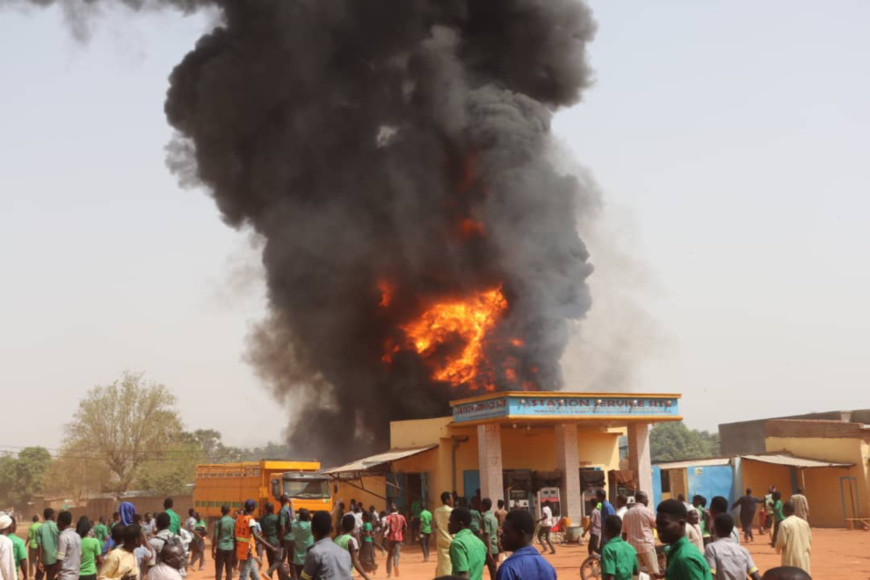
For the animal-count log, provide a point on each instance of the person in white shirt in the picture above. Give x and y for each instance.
(621, 505)
(7, 555)
(171, 560)
(69, 548)
(546, 525)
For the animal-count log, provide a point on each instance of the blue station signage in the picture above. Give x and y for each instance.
(565, 405)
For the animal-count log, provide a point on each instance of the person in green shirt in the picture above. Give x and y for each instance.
(349, 543)
(46, 537)
(489, 535)
(467, 552)
(425, 531)
(618, 558)
(223, 545)
(19, 551)
(32, 546)
(174, 518)
(778, 516)
(101, 532)
(685, 561)
(285, 529)
(302, 540)
(367, 549)
(269, 527)
(92, 551)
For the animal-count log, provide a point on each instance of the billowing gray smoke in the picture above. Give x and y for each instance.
(390, 144)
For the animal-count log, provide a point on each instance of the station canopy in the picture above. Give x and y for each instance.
(374, 464)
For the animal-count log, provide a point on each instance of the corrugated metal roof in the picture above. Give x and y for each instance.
(694, 463)
(793, 461)
(373, 461)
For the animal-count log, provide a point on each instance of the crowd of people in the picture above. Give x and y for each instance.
(698, 542)
(471, 539)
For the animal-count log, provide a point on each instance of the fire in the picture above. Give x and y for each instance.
(518, 342)
(387, 290)
(469, 321)
(471, 228)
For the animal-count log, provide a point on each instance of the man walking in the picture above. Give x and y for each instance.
(285, 531)
(467, 551)
(546, 525)
(637, 529)
(425, 531)
(526, 562)
(170, 562)
(794, 540)
(747, 505)
(7, 555)
(801, 505)
(174, 518)
(69, 548)
(606, 506)
(396, 527)
(269, 527)
(325, 560)
(223, 545)
(685, 562)
(728, 560)
(443, 537)
(19, 551)
(489, 531)
(46, 538)
(32, 546)
(618, 559)
(246, 539)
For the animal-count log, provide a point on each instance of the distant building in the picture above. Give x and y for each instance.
(824, 453)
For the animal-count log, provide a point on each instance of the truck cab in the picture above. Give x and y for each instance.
(309, 490)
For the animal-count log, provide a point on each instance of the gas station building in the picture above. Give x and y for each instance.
(523, 447)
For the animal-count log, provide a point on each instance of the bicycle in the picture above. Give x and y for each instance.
(590, 569)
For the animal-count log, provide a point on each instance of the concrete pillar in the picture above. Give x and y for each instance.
(568, 463)
(638, 455)
(489, 461)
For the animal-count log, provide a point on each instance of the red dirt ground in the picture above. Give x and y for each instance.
(837, 555)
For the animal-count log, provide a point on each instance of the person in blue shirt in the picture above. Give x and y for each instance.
(526, 562)
(606, 507)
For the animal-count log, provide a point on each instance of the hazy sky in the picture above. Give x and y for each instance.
(730, 139)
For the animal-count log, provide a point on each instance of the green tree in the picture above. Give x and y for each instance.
(125, 424)
(22, 477)
(676, 442)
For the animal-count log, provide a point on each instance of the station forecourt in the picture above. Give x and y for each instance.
(526, 448)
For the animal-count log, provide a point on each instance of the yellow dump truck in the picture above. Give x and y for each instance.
(263, 481)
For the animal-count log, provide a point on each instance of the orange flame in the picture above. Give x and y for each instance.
(468, 320)
(387, 290)
(470, 228)
(518, 342)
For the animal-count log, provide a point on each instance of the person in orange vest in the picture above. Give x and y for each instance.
(247, 537)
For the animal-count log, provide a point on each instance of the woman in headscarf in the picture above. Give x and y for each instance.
(128, 513)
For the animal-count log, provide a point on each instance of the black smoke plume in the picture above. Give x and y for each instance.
(356, 138)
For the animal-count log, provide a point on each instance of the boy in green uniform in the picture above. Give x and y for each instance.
(685, 561)
(174, 518)
(19, 550)
(303, 539)
(269, 526)
(490, 536)
(347, 542)
(92, 551)
(101, 532)
(467, 552)
(618, 558)
(32, 546)
(223, 545)
(46, 537)
(425, 532)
